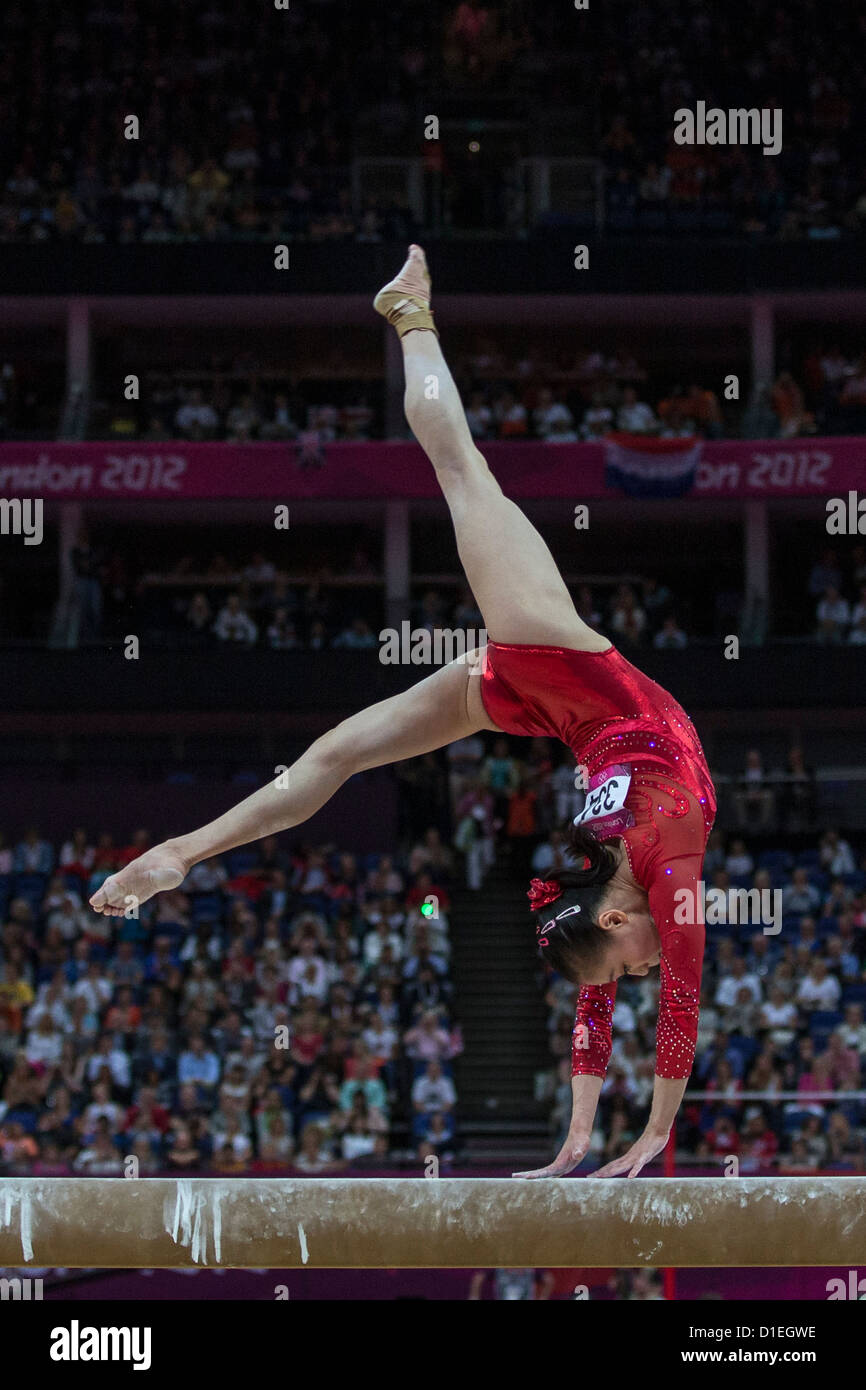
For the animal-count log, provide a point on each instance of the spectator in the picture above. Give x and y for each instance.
(635, 416)
(32, 854)
(433, 1092)
(754, 801)
(800, 896)
(836, 855)
(833, 614)
(196, 419)
(819, 989)
(427, 1041)
(670, 636)
(356, 637)
(197, 1063)
(234, 625)
(627, 618)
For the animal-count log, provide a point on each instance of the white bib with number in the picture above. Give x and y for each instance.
(608, 798)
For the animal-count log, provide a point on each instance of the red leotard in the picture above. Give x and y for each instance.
(608, 712)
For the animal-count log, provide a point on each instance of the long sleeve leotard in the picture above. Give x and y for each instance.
(611, 714)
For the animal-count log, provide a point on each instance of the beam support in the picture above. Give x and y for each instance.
(416, 1223)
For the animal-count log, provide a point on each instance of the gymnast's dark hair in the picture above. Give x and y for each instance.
(576, 942)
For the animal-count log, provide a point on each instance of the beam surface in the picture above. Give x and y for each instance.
(416, 1223)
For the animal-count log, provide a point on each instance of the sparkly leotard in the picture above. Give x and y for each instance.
(608, 713)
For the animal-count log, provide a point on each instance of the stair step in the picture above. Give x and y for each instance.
(498, 997)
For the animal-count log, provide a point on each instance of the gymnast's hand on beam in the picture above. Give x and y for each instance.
(642, 1151)
(572, 1151)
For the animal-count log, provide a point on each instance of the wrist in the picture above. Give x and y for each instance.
(655, 1129)
(183, 850)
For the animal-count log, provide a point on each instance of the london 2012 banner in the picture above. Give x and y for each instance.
(628, 464)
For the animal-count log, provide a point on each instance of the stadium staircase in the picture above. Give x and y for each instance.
(501, 1009)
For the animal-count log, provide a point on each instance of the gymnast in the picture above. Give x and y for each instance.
(640, 839)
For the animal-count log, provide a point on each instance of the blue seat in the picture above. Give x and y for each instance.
(240, 861)
(621, 221)
(809, 859)
(685, 220)
(854, 994)
(30, 886)
(651, 219)
(795, 1119)
(718, 220)
(208, 905)
(824, 1019)
(745, 1049)
(776, 860)
(741, 880)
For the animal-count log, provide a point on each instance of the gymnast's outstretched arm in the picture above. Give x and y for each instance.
(444, 707)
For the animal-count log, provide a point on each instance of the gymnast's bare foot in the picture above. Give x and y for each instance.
(156, 871)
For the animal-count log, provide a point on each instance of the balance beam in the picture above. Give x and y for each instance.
(418, 1223)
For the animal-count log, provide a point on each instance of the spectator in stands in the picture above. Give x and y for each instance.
(598, 419)
(432, 854)
(825, 574)
(437, 1136)
(760, 420)
(427, 1040)
(755, 801)
(670, 636)
(834, 614)
(197, 1063)
(798, 794)
(195, 419)
(314, 1155)
(819, 989)
(635, 416)
(233, 624)
(243, 422)
(368, 1085)
(282, 634)
(800, 896)
(356, 637)
(198, 618)
(280, 425)
(479, 416)
(510, 416)
(32, 854)
(501, 776)
(779, 1018)
(852, 1030)
(836, 855)
(656, 599)
(433, 1092)
(549, 413)
(627, 618)
(738, 862)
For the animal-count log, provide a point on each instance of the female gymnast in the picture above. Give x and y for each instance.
(640, 840)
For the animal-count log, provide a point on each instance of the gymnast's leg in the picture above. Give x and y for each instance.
(444, 707)
(510, 570)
